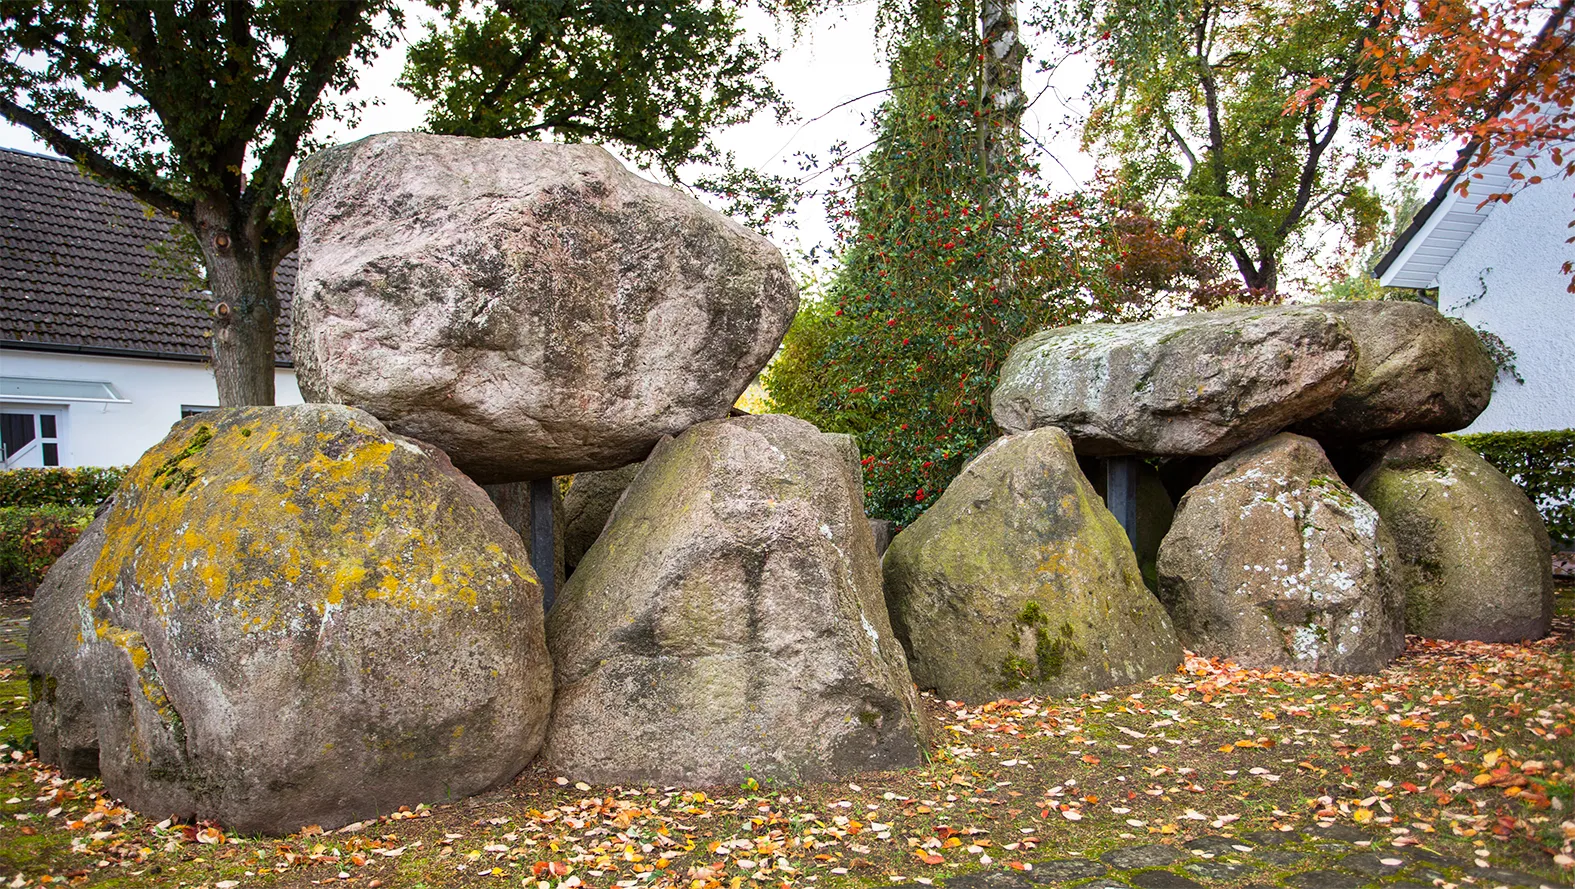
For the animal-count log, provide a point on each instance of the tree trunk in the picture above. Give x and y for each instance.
(1262, 278)
(245, 306)
(1001, 86)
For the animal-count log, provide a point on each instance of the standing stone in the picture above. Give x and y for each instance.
(513, 502)
(1475, 553)
(1155, 510)
(1415, 370)
(1020, 581)
(531, 308)
(1201, 384)
(1273, 561)
(882, 529)
(299, 618)
(62, 725)
(587, 506)
(728, 623)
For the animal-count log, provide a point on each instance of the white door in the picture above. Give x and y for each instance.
(31, 438)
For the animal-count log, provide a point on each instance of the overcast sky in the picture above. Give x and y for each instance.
(836, 60)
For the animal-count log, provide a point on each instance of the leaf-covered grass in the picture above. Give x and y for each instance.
(1462, 748)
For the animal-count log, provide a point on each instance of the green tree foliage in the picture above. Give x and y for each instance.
(656, 78)
(1356, 281)
(1239, 117)
(196, 107)
(950, 253)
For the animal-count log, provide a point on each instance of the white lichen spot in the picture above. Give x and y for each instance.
(869, 630)
(1304, 643)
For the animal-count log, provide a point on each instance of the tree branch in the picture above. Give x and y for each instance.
(526, 56)
(1316, 144)
(139, 186)
(1170, 127)
(262, 191)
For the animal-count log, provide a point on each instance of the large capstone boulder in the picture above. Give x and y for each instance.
(587, 506)
(1019, 581)
(1201, 384)
(1273, 561)
(1476, 558)
(1416, 370)
(531, 308)
(728, 623)
(63, 727)
(300, 618)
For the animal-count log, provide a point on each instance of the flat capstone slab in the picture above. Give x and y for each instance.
(994, 879)
(1342, 832)
(1428, 856)
(1141, 856)
(1326, 879)
(1219, 870)
(1272, 837)
(1358, 870)
(1509, 877)
(1372, 864)
(1064, 869)
(1216, 845)
(1162, 879)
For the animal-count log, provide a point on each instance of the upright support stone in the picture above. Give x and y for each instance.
(1121, 483)
(542, 554)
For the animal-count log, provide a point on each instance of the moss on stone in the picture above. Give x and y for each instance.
(172, 474)
(1051, 653)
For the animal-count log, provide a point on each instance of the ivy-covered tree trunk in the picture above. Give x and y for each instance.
(245, 306)
(951, 251)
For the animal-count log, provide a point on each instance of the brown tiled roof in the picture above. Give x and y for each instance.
(79, 269)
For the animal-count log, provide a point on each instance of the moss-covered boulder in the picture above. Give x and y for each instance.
(300, 618)
(63, 727)
(1019, 581)
(586, 507)
(1476, 558)
(1200, 384)
(728, 623)
(1273, 561)
(1416, 370)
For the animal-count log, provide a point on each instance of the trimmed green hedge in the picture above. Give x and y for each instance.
(32, 538)
(58, 487)
(1543, 464)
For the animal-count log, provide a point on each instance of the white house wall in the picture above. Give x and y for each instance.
(1506, 279)
(117, 434)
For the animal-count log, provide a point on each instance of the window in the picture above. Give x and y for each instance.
(30, 438)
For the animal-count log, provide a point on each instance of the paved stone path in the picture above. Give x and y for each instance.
(1335, 857)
